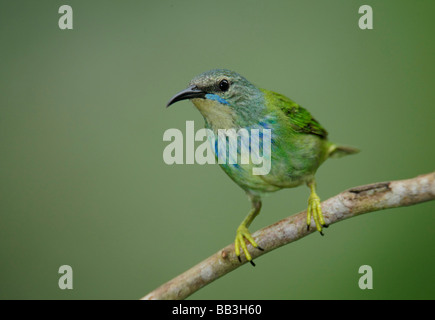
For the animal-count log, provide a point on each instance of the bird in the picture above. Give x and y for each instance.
(299, 144)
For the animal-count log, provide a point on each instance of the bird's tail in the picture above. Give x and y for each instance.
(341, 151)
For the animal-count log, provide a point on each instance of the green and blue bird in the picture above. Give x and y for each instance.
(299, 144)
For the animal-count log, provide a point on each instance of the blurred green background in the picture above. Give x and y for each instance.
(82, 116)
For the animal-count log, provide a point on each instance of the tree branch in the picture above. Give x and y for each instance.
(349, 203)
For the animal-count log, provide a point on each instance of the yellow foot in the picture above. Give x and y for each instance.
(242, 234)
(315, 210)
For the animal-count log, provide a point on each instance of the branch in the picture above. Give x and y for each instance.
(349, 203)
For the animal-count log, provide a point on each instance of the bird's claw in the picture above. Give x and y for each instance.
(315, 210)
(243, 234)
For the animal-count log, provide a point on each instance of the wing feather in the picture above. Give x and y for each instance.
(299, 118)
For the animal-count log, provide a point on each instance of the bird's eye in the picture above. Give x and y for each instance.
(224, 85)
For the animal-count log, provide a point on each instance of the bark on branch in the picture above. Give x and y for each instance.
(349, 203)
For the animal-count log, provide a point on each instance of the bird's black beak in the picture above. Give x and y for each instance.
(190, 93)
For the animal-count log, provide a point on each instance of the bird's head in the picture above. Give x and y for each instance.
(224, 98)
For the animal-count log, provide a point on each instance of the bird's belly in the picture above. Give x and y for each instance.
(295, 162)
(284, 172)
(242, 174)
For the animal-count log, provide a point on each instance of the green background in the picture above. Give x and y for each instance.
(82, 116)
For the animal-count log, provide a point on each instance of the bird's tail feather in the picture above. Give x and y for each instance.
(341, 151)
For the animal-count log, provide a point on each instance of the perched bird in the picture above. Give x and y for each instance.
(299, 143)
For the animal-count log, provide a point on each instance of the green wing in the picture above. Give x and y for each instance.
(299, 118)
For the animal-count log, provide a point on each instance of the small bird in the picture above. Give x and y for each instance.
(299, 144)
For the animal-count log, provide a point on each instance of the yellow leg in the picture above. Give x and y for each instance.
(314, 209)
(243, 233)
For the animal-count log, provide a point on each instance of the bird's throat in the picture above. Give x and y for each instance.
(218, 115)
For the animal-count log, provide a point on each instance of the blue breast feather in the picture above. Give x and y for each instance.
(266, 123)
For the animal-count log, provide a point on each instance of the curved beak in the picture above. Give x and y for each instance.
(191, 92)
